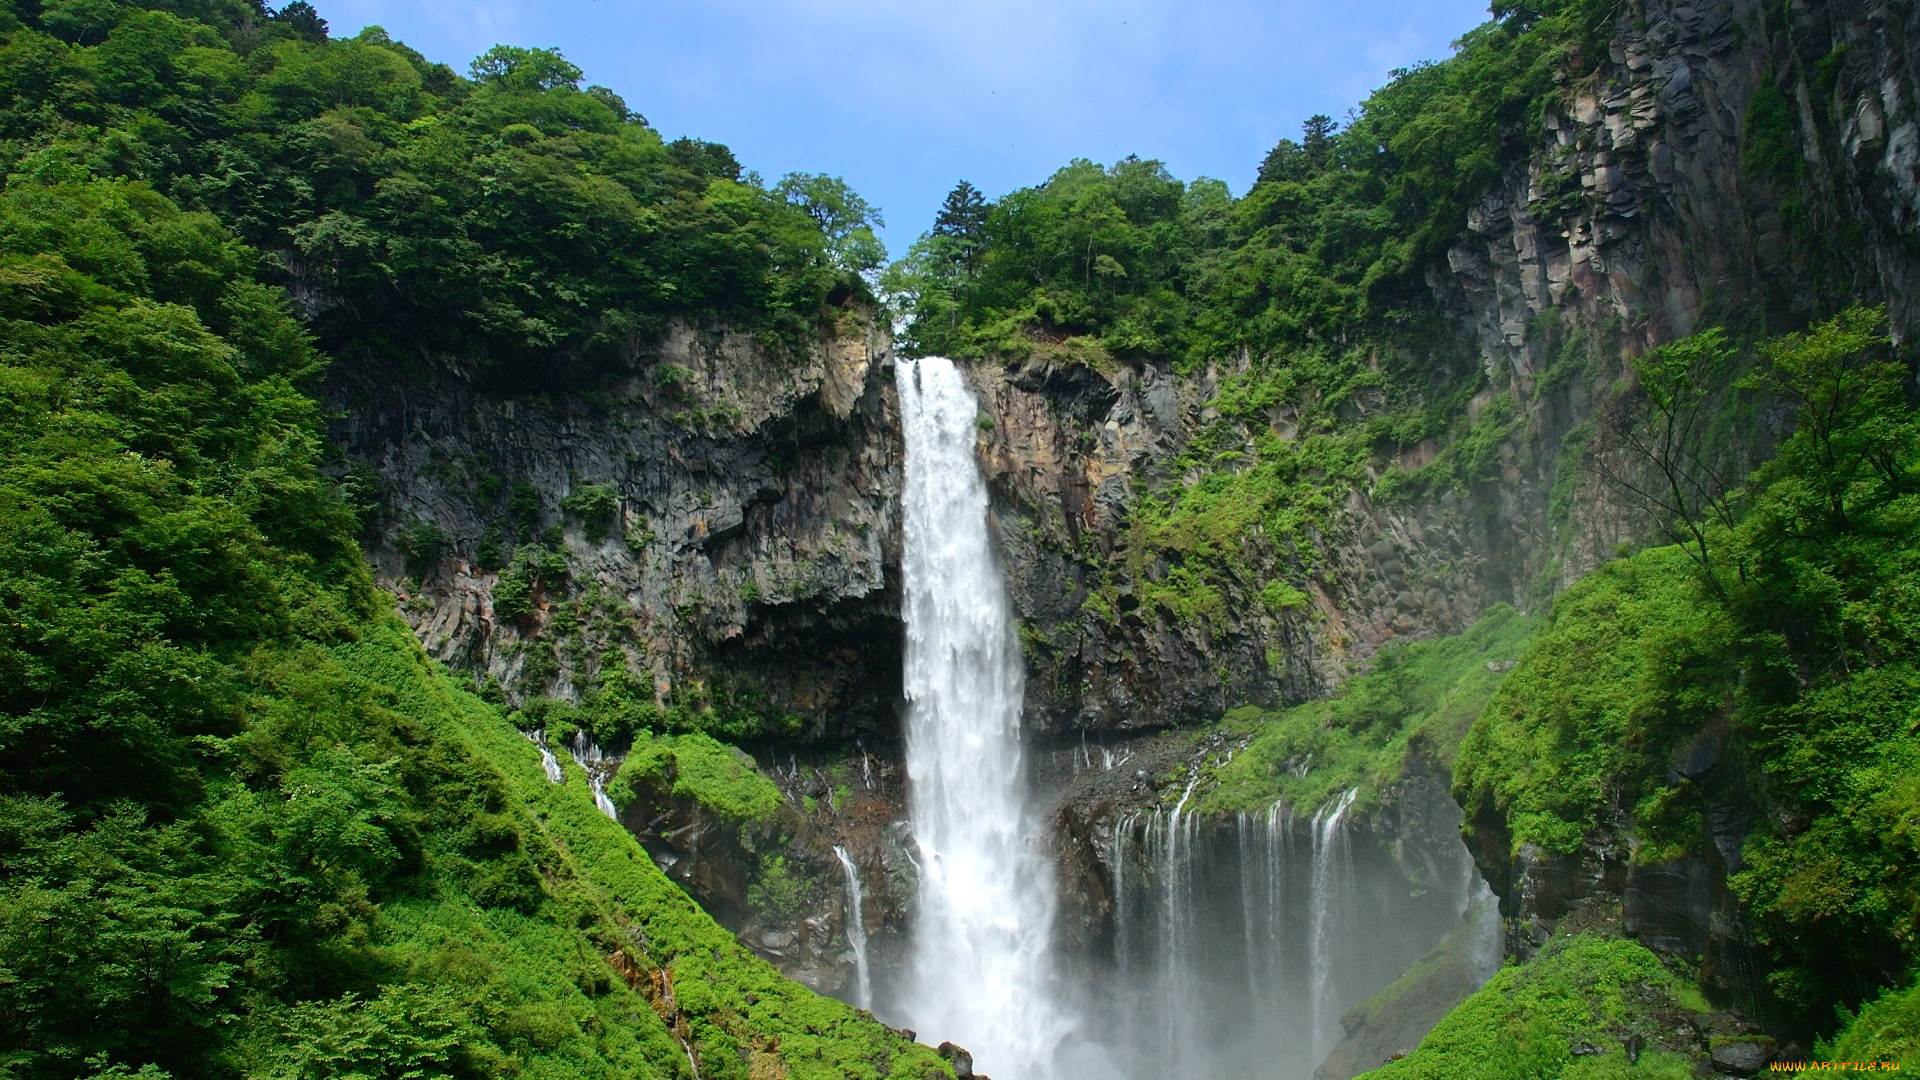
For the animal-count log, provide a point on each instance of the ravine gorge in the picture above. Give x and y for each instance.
(487, 590)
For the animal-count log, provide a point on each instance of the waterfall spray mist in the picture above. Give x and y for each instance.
(980, 965)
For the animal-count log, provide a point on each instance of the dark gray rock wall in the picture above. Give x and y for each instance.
(753, 556)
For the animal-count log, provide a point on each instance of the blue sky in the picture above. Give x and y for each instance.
(903, 98)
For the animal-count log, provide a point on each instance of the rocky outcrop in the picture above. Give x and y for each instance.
(727, 515)
(777, 883)
(1654, 205)
(1679, 906)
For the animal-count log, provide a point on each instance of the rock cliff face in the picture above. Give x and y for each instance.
(756, 493)
(1666, 195)
(741, 553)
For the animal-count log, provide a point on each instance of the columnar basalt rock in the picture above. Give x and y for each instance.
(1642, 216)
(750, 555)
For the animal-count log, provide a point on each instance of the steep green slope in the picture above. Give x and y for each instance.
(1410, 711)
(1566, 1015)
(1764, 674)
(245, 827)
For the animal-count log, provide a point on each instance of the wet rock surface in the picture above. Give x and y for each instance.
(777, 883)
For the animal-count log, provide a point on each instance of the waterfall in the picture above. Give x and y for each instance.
(587, 755)
(548, 762)
(980, 961)
(1239, 940)
(1332, 881)
(856, 930)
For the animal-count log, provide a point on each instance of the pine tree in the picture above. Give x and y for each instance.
(963, 222)
(1316, 140)
(304, 20)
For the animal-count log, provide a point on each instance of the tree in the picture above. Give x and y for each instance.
(1853, 430)
(1284, 162)
(963, 222)
(1656, 446)
(303, 20)
(1296, 161)
(1316, 140)
(847, 219)
(513, 68)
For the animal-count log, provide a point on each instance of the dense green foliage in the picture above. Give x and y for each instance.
(510, 222)
(1410, 711)
(1135, 263)
(1581, 989)
(245, 828)
(694, 766)
(1887, 1029)
(1794, 662)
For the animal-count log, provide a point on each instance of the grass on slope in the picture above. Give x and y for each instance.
(742, 1018)
(1582, 991)
(1418, 701)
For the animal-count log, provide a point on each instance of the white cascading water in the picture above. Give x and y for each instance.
(587, 755)
(856, 930)
(548, 763)
(980, 973)
(1240, 940)
(1332, 882)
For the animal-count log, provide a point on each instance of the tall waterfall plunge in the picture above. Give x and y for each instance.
(981, 966)
(1234, 944)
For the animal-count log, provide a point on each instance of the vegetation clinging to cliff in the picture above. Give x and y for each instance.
(1582, 991)
(1794, 664)
(1304, 301)
(1410, 711)
(1327, 244)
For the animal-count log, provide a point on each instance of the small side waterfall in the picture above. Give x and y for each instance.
(547, 761)
(587, 755)
(1331, 890)
(981, 964)
(856, 930)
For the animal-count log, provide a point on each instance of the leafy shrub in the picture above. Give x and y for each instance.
(1886, 1029)
(778, 892)
(696, 766)
(595, 505)
(421, 544)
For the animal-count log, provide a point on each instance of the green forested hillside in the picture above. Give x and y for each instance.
(1782, 648)
(511, 223)
(246, 828)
